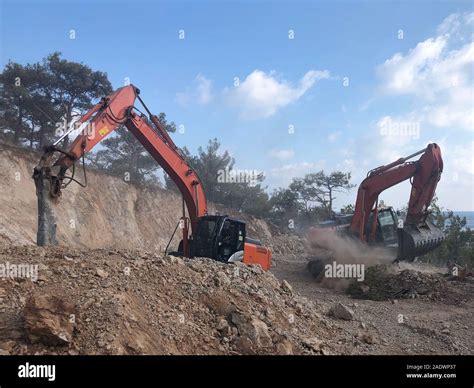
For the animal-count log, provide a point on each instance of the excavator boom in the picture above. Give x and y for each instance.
(104, 118)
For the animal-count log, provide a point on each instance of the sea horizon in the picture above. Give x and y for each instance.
(469, 217)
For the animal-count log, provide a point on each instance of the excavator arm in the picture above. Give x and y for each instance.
(104, 118)
(218, 237)
(416, 236)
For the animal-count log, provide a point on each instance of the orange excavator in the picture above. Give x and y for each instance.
(218, 237)
(380, 225)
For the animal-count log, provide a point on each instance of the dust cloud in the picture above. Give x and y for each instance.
(347, 250)
(332, 247)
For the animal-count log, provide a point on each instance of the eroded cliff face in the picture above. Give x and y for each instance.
(109, 212)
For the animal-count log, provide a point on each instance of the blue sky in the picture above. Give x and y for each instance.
(351, 77)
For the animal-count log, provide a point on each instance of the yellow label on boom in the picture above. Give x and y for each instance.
(103, 131)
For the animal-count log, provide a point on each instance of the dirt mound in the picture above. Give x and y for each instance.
(131, 302)
(384, 282)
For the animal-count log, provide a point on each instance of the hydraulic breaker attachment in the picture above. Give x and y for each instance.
(46, 234)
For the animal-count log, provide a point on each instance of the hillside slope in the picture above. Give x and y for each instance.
(109, 212)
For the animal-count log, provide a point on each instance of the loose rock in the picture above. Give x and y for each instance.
(341, 311)
(48, 319)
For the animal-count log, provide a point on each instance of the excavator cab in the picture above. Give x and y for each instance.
(218, 237)
(408, 240)
(224, 239)
(386, 228)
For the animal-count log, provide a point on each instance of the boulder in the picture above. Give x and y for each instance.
(287, 286)
(284, 348)
(49, 319)
(313, 343)
(341, 311)
(221, 279)
(252, 328)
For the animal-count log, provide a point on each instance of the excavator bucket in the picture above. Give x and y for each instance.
(418, 240)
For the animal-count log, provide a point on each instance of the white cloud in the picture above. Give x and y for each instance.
(459, 159)
(201, 92)
(282, 154)
(456, 187)
(204, 89)
(334, 136)
(438, 73)
(261, 94)
(346, 165)
(457, 24)
(408, 74)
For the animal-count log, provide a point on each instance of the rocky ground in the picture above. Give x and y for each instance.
(100, 297)
(420, 311)
(134, 302)
(129, 302)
